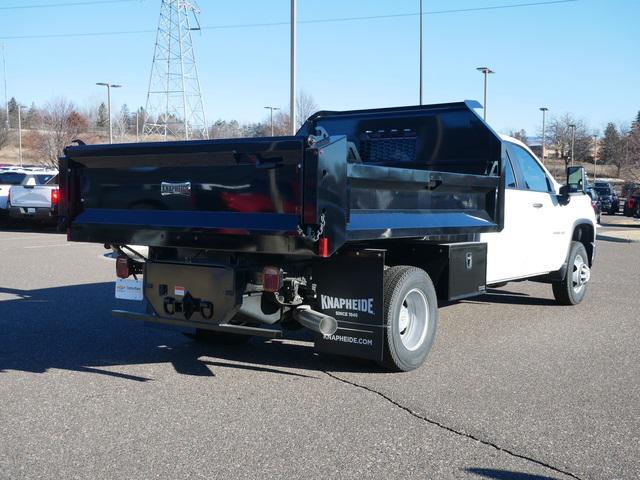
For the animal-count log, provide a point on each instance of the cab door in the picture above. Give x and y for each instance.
(506, 250)
(534, 238)
(545, 225)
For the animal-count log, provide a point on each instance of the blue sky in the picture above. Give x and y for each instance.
(580, 57)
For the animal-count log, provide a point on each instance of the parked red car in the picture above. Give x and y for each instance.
(632, 205)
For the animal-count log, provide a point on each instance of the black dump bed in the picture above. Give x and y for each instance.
(408, 172)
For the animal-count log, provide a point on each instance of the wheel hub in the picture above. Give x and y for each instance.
(413, 319)
(581, 274)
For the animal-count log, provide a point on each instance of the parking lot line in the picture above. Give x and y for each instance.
(27, 237)
(57, 245)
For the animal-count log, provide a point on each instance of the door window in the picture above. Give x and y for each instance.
(533, 176)
(509, 177)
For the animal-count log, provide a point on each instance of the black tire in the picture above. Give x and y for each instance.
(570, 290)
(404, 284)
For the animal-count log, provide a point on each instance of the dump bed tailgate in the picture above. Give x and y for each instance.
(158, 193)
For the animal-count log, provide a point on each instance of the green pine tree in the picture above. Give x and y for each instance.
(610, 145)
(103, 116)
(13, 112)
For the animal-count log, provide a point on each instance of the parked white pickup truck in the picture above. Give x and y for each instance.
(35, 201)
(15, 176)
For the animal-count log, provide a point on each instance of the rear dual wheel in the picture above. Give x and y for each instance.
(410, 315)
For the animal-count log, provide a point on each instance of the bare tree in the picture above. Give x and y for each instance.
(306, 106)
(281, 123)
(60, 124)
(225, 129)
(559, 133)
(121, 123)
(4, 130)
(519, 135)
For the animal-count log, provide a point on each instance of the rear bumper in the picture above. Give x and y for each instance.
(37, 213)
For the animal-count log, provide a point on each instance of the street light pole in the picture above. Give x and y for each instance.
(573, 142)
(272, 109)
(20, 133)
(486, 71)
(595, 157)
(420, 52)
(292, 93)
(544, 131)
(4, 68)
(109, 87)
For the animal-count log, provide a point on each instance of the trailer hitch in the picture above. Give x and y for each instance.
(188, 306)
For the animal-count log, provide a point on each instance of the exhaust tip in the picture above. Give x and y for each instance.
(316, 321)
(328, 325)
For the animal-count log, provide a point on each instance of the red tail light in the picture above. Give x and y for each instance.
(55, 197)
(271, 279)
(122, 266)
(323, 247)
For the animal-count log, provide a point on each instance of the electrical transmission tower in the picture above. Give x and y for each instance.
(174, 102)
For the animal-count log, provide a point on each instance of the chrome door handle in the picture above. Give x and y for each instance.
(537, 205)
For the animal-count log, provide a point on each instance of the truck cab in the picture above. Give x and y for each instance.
(539, 225)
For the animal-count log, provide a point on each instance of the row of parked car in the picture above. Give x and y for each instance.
(29, 193)
(604, 199)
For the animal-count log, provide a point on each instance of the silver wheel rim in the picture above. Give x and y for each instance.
(413, 320)
(580, 275)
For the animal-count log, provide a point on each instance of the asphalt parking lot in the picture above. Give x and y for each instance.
(515, 388)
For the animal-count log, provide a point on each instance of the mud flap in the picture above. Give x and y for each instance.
(349, 288)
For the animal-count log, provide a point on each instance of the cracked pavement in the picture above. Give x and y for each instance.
(515, 388)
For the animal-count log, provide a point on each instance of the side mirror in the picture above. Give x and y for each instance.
(564, 196)
(576, 179)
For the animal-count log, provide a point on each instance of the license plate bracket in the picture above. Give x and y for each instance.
(129, 289)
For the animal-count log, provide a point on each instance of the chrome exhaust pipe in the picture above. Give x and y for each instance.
(316, 321)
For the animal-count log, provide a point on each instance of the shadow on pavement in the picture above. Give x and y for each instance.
(71, 328)
(506, 474)
(512, 298)
(608, 238)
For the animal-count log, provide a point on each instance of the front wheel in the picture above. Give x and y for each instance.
(410, 315)
(573, 287)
